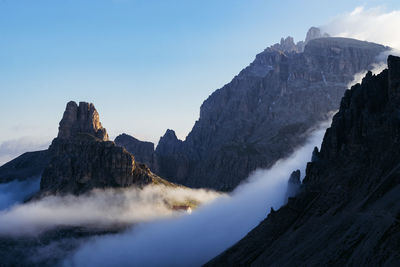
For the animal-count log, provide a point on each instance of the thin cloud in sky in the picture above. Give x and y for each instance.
(372, 24)
(13, 148)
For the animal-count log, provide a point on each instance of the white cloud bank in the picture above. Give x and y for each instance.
(195, 239)
(99, 208)
(188, 240)
(373, 25)
(191, 240)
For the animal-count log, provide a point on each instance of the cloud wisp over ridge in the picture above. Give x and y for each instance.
(192, 240)
(373, 25)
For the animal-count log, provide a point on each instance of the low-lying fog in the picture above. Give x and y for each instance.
(193, 239)
(99, 208)
(159, 236)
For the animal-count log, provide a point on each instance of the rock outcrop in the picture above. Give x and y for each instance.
(82, 158)
(315, 33)
(348, 211)
(262, 115)
(81, 119)
(265, 112)
(143, 151)
(293, 185)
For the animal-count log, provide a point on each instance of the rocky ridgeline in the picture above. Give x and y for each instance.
(347, 212)
(265, 112)
(261, 116)
(82, 158)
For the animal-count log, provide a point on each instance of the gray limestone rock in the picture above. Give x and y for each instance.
(264, 113)
(348, 211)
(81, 119)
(315, 33)
(82, 158)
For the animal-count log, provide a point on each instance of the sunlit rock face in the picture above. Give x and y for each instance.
(265, 112)
(82, 158)
(347, 211)
(81, 119)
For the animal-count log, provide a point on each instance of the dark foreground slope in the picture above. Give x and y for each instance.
(264, 112)
(348, 212)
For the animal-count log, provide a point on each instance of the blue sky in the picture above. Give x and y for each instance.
(146, 65)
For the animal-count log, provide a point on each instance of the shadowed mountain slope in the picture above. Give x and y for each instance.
(348, 211)
(265, 112)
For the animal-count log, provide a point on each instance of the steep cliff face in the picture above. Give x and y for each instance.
(81, 119)
(348, 212)
(294, 184)
(264, 112)
(82, 158)
(143, 151)
(256, 119)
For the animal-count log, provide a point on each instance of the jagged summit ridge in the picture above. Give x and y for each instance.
(287, 45)
(256, 119)
(81, 119)
(263, 113)
(315, 33)
(347, 212)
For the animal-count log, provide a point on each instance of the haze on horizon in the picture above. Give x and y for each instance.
(146, 66)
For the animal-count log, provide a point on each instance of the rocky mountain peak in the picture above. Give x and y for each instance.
(168, 143)
(81, 119)
(347, 211)
(170, 135)
(286, 45)
(82, 157)
(264, 112)
(315, 33)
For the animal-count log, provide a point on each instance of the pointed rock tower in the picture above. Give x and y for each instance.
(81, 119)
(84, 159)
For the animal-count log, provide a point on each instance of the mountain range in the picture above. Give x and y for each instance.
(344, 212)
(347, 212)
(263, 114)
